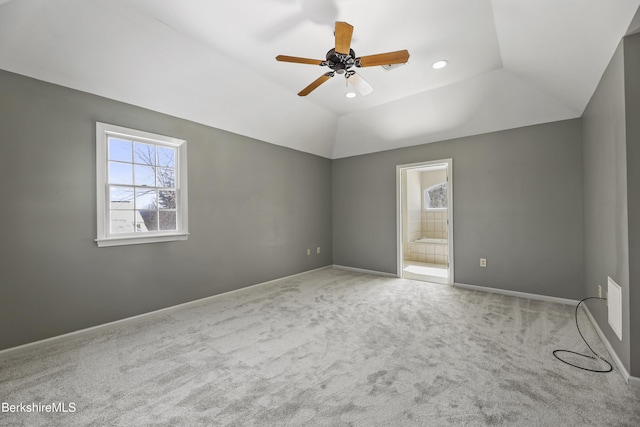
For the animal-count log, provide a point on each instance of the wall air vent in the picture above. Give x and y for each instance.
(614, 306)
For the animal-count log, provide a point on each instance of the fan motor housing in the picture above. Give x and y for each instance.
(340, 62)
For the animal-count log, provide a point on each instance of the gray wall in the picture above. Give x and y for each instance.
(632, 106)
(254, 209)
(606, 250)
(611, 147)
(517, 202)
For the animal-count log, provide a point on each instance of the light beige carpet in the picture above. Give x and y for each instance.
(329, 348)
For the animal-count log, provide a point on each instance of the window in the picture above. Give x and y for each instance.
(435, 197)
(141, 186)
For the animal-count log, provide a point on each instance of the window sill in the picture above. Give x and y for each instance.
(136, 240)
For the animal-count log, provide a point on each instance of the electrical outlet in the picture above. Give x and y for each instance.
(599, 291)
(318, 250)
(483, 262)
(308, 251)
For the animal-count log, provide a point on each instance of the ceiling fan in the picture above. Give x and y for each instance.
(342, 59)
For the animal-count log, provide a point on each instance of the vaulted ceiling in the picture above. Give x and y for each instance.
(511, 63)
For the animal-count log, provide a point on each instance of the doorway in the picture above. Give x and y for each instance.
(425, 221)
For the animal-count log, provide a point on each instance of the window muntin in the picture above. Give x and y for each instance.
(141, 187)
(150, 190)
(435, 197)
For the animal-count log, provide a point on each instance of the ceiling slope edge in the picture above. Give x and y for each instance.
(475, 106)
(219, 99)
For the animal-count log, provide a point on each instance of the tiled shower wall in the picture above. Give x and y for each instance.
(429, 252)
(414, 219)
(434, 225)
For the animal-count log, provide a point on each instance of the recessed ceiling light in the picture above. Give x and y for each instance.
(439, 64)
(350, 94)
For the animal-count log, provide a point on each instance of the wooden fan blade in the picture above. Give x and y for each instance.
(398, 57)
(317, 82)
(285, 58)
(344, 32)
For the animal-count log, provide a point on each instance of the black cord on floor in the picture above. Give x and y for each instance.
(595, 356)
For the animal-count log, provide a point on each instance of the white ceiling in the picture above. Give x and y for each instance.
(511, 63)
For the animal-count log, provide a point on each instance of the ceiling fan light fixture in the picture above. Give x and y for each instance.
(389, 67)
(438, 65)
(350, 95)
(341, 59)
(358, 83)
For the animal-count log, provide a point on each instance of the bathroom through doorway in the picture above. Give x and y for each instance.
(425, 221)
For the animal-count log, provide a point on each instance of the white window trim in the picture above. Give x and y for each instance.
(104, 238)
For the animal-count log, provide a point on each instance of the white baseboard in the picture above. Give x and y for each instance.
(634, 381)
(362, 270)
(21, 349)
(517, 294)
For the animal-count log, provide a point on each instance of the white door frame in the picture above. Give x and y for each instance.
(400, 201)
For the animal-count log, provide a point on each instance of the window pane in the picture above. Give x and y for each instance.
(120, 173)
(166, 156)
(144, 154)
(145, 199)
(436, 196)
(121, 198)
(167, 199)
(145, 175)
(122, 221)
(166, 178)
(146, 220)
(120, 149)
(167, 220)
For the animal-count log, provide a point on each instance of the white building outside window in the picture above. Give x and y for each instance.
(141, 187)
